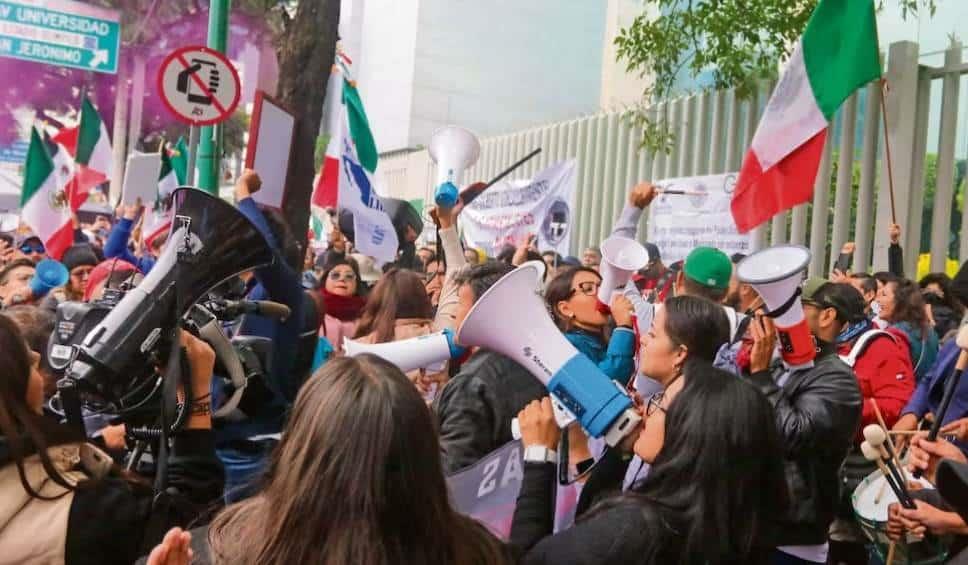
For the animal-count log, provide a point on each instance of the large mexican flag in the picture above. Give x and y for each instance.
(43, 203)
(836, 55)
(92, 154)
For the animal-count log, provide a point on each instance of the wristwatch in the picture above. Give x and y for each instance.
(539, 454)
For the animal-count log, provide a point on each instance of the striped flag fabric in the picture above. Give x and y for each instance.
(43, 202)
(92, 156)
(836, 55)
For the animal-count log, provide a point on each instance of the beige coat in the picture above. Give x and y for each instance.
(33, 530)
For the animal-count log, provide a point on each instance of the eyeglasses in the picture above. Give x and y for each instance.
(28, 249)
(588, 288)
(655, 404)
(336, 277)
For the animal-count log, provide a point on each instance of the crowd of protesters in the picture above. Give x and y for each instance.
(338, 459)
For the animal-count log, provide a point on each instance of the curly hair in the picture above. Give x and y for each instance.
(909, 304)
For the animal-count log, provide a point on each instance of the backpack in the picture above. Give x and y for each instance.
(861, 346)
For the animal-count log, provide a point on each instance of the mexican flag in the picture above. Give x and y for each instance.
(43, 202)
(168, 178)
(157, 218)
(836, 55)
(342, 99)
(92, 155)
(179, 160)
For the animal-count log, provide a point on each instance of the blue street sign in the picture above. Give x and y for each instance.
(61, 32)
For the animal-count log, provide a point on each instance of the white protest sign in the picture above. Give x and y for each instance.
(141, 178)
(695, 211)
(510, 211)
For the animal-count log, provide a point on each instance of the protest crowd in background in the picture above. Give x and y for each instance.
(186, 381)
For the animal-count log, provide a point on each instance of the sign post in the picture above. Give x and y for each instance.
(211, 138)
(201, 88)
(62, 33)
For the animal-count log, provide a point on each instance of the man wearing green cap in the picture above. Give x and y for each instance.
(706, 273)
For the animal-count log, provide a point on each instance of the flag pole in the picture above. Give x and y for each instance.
(887, 150)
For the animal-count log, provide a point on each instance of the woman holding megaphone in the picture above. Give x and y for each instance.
(692, 508)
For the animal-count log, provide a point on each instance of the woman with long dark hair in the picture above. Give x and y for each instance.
(715, 486)
(356, 479)
(572, 299)
(61, 498)
(342, 291)
(398, 308)
(902, 306)
(946, 311)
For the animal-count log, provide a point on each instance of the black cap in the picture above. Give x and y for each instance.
(653, 249)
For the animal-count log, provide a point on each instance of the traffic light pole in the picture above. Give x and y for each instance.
(209, 149)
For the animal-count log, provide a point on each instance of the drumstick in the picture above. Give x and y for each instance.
(880, 420)
(871, 453)
(890, 553)
(875, 436)
(905, 432)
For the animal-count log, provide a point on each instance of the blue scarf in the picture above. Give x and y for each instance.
(852, 331)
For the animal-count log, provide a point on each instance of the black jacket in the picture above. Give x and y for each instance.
(114, 521)
(818, 411)
(476, 407)
(630, 531)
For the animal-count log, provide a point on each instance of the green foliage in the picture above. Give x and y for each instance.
(739, 41)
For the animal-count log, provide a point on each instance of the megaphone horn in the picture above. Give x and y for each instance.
(575, 382)
(454, 149)
(49, 275)
(419, 352)
(621, 257)
(775, 273)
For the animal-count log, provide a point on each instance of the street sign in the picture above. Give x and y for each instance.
(61, 32)
(200, 86)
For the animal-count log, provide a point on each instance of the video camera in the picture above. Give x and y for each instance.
(110, 350)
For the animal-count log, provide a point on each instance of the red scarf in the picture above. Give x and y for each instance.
(344, 308)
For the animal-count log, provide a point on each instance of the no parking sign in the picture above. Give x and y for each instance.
(199, 85)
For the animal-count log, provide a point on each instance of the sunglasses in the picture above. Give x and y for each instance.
(587, 288)
(654, 404)
(28, 249)
(336, 277)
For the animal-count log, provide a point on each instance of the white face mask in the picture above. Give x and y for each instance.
(876, 308)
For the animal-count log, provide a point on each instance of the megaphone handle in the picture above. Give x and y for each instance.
(563, 418)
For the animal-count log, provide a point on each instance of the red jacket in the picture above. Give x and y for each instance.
(885, 374)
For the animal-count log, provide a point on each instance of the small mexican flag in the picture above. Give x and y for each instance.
(836, 55)
(342, 99)
(92, 157)
(167, 179)
(43, 202)
(179, 160)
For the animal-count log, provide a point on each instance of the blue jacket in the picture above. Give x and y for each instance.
(618, 361)
(280, 283)
(929, 390)
(117, 246)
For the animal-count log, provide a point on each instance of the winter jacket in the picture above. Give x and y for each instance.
(617, 361)
(885, 375)
(818, 411)
(117, 246)
(106, 520)
(475, 409)
(335, 330)
(930, 389)
(923, 345)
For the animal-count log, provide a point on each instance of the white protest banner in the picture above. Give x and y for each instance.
(488, 491)
(692, 212)
(510, 211)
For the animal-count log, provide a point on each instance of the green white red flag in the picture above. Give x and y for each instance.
(836, 55)
(43, 202)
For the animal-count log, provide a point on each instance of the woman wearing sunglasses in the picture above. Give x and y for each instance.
(715, 485)
(343, 299)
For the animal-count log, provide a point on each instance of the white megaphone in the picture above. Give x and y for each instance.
(454, 149)
(422, 352)
(621, 257)
(575, 383)
(776, 273)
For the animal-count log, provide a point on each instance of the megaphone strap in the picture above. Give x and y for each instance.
(786, 305)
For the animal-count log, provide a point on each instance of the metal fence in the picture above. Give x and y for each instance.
(712, 133)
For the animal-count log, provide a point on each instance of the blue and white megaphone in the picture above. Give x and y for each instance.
(577, 386)
(48, 275)
(454, 149)
(422, 352)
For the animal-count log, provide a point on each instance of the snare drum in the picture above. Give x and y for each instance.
(871, 499)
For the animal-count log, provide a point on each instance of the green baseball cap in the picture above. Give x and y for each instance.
(709, 267)
(808, 292)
